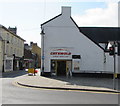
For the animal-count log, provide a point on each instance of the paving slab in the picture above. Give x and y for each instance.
(52, 83)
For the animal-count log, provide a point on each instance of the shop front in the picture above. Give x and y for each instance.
(17, 63)
(62, 62)
(61, 67)
(8, 64)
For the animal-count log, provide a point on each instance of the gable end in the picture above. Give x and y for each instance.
(87, 36)
(50, 19)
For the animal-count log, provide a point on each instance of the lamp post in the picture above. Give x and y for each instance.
(43, 57)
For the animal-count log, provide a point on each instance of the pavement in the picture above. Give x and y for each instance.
(68, 83)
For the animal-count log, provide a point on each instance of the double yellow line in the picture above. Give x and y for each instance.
(16, 84)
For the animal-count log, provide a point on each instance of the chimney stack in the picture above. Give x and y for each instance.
(66, 11)
(31, 43)
(14, 30)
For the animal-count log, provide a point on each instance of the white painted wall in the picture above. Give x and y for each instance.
(62, 32)
(102, 45)
(109, 64)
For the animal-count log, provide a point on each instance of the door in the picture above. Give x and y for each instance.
(61, 68)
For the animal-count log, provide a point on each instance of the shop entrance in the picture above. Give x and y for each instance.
(61, 67)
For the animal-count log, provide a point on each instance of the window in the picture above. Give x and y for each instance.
(76, 56)
(8, 65)
(11, 51)
(14, 50)
(12, 39)
(7, 49)
(17, 52)
(7, 37)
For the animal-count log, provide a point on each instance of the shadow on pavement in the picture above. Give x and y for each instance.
(89, 81)
(13, 74)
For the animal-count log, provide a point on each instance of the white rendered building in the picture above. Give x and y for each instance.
(66, 49)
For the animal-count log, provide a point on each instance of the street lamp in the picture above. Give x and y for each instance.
(43, 57)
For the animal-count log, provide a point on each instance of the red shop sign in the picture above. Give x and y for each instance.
(60, 53)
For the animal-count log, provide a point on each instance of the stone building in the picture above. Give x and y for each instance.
(13, 49)
(1, 55)
(36, 50)
(32, 55)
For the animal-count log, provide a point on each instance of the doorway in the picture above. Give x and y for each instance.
(61, 67)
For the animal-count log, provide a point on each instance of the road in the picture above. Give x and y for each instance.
(12, 94)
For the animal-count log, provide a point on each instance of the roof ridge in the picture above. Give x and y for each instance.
(86, 36)
(51, 19)
(11, 32)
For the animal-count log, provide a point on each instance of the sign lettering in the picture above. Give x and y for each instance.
(60, 53)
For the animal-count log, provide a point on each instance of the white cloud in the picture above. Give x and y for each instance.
(107, 17)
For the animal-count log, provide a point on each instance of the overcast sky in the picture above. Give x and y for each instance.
(28, 15)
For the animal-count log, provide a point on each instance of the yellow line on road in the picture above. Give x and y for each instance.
(16, 84)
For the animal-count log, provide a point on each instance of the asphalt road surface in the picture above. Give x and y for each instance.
(12, 94)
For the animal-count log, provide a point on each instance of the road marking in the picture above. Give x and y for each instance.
(16, 84)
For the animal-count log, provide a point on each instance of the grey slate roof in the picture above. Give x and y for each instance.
(101, 34)
(1, 26)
